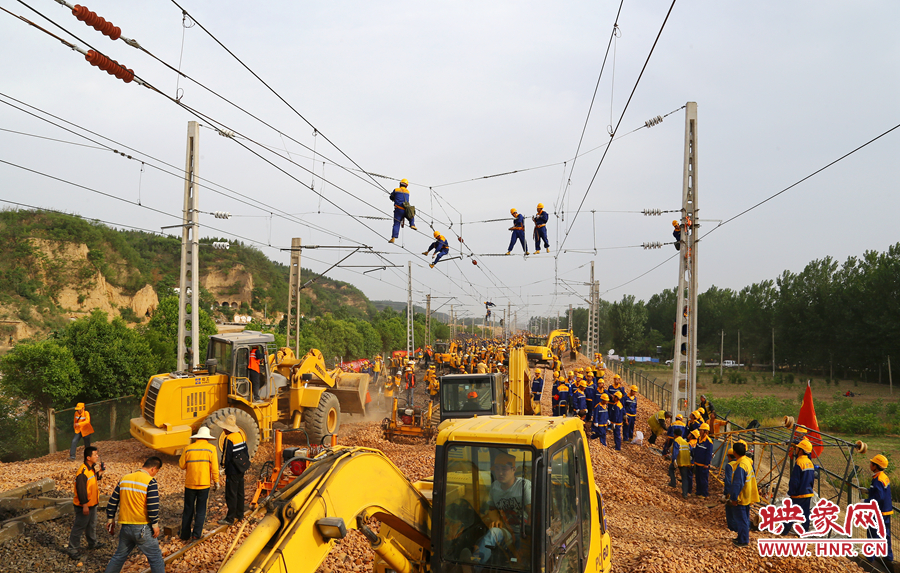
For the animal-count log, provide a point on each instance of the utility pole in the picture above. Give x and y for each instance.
(515, 321)
(684, 372)
(410, 343)
(427, 319)
(293, 313)
(452, 324)
(721, 354)
(890, 377)
(189, 278)
(593, 329)
(569, 319)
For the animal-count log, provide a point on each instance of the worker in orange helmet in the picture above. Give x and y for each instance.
(83, 429)
(677, 234)
(518, 231)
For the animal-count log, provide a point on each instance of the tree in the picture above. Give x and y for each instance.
(43, 372)
(626, 320)
(113, 360)
(162, 334)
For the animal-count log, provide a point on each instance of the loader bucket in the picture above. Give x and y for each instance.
(351, 390)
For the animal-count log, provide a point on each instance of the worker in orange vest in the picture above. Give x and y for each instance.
(253, 371)
(83, 429)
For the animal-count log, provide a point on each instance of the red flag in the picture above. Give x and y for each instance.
(807, 418)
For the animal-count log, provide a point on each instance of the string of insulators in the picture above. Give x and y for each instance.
(109, 66)
(96, 22)
(653, 121)
(651, 212)
(656, 245)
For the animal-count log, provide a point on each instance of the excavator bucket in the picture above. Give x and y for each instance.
(351, 390)
(518, 397)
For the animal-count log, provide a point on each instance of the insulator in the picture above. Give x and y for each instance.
(222, 215)
(109, 66)
(655, 245)
(96, 22)
(221, 245)
(653, 121)
(226, 133)
(652, 212)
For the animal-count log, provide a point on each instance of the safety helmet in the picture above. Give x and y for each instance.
(473, 394)
(675, 224)
(404, 182)
(704, 426)
(513, 211)
(571, 373)
(805, 445)
(604, 397)
(679, 417)
(731, 452)
(540, 206)
(633, 387)
(701, 410)
(618, 377)
(618, 395)
(880, 460)
(695, 433)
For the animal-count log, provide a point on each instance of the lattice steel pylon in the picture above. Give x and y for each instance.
(189, 277)
(684, 365)
(593, 327)
(410, 346)
(293, 314)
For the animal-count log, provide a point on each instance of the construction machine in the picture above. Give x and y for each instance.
(540, 349)
(443, 352)
(294, 392)
(509, 493)
(409, 421)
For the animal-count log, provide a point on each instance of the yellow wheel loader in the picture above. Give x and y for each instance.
(509, 493)
(292, 391)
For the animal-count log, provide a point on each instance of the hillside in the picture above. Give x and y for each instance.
(55, 266)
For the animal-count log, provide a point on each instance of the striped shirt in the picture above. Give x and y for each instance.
(137, 498)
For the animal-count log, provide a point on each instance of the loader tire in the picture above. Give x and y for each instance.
(244, 421)
(324, 419)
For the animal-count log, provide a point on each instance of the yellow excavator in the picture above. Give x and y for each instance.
(294, 392)
(540, 349)
(509, 493)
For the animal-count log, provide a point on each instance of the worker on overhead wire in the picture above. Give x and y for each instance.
(540, 229)
(402, 209)
(487, 308)
(518, 231)
(440, 247)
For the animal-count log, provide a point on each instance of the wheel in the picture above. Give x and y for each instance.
(324, 419)
(244, 421)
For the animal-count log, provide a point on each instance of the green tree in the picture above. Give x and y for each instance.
(42, 372)
(162, 334)
(113, 359)
(627, 319)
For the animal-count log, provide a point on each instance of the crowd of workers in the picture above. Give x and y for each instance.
(134, 504)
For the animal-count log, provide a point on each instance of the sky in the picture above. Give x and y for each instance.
(450, 94)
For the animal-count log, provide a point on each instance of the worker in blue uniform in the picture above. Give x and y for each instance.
(590, 392)
(562, 391)
(616, 417)
(729, 472)
(803, 476)
(537, 386)
(703, 453)
(518, 231)
(600, 421)
(743, 492)
(677, 234)
(880, 491)
(440, 247)
(579, 402)
(540, 229)
(670, 434)
(399, 196)
(629, 403)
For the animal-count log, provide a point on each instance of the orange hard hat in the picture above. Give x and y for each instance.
(473, 394)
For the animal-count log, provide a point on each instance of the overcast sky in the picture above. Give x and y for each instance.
(445, 92)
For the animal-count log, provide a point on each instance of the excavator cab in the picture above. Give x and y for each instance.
(518, 495)
(468, 395)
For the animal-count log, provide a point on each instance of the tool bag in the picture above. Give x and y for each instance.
(408, 210)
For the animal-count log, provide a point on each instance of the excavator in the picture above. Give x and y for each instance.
(509, 493)
(295, 392)
(540, 348)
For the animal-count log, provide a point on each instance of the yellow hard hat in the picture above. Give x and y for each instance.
(731, 452)
(704, 426)
(436, 234)
(805, 445)
(513, 211)
(633, 387)
(701, 410)
(675, 224)
(571, 373)
(880, 460)
(618, 377)
(404, 182)
(679, 417)
(604, 397)
(618, 395)
(695, 433)
(540, 205)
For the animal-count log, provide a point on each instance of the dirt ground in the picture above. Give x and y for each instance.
(652, 528)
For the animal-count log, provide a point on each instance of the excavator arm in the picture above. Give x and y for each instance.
(334, 491)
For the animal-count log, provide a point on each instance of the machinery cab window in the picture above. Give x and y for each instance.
(570, 519)
(537, 341)
(488, 507)
(467, 395)
(221, 351)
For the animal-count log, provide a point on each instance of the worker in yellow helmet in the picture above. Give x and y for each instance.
(880, 492)
(518, 231)
(402, 209)
(440, 247)
(677, 234)
(540, 229)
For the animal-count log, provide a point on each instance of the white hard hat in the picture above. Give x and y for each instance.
(203, 433)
